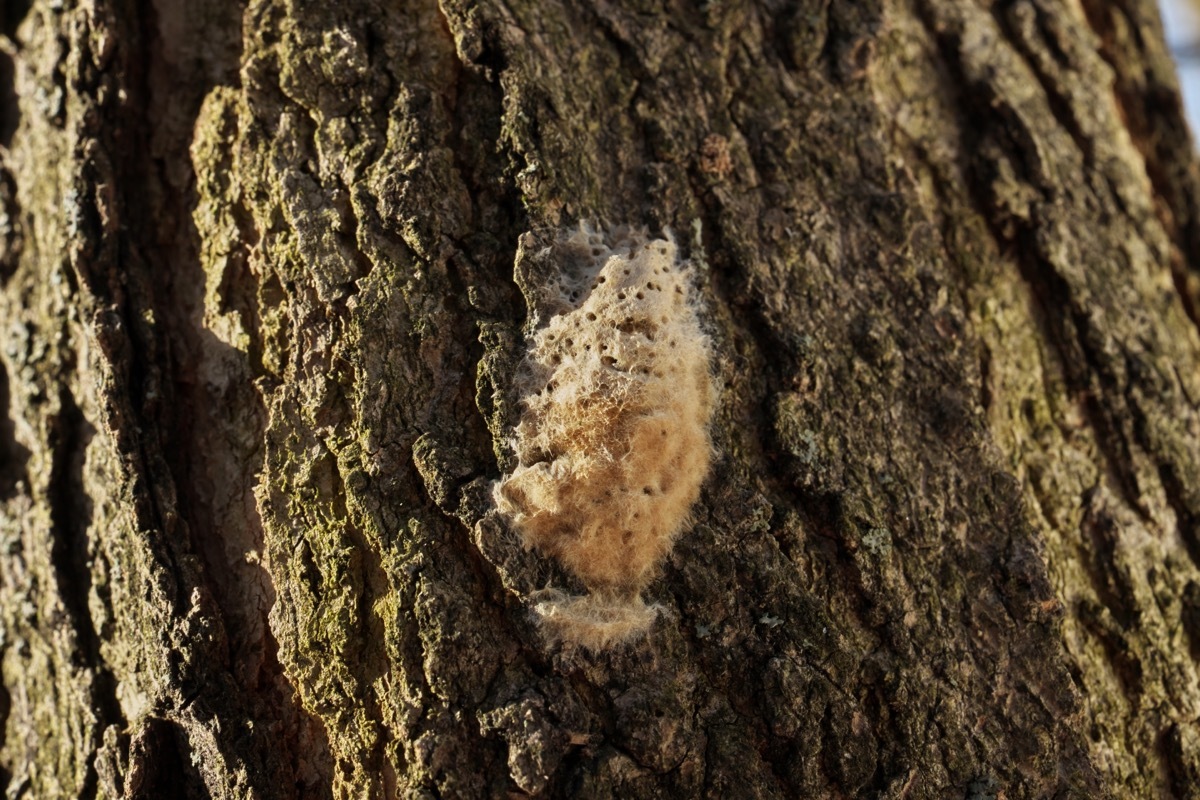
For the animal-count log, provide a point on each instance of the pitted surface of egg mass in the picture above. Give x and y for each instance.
(613, 442)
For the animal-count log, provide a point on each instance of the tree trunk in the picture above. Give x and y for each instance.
(267, 286)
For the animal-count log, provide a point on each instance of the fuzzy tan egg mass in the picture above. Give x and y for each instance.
(613, 443)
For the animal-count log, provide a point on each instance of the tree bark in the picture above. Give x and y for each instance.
(261, 312)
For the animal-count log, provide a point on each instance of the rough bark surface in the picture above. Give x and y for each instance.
(260, 271)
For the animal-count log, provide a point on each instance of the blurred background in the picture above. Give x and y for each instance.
(1181, 21)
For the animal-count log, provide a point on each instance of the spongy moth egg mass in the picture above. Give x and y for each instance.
(613, 442)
